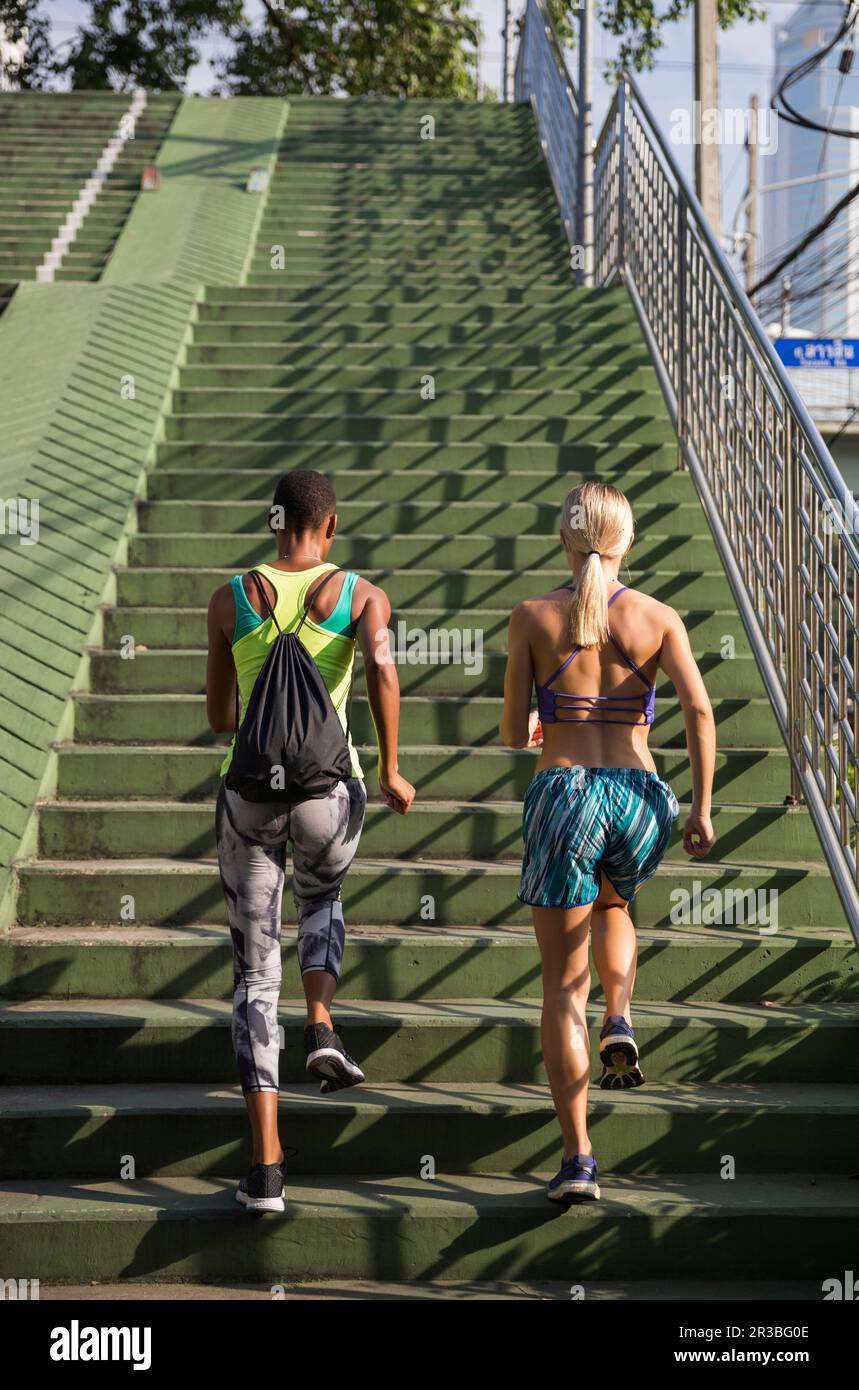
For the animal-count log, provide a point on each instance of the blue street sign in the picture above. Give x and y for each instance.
(818, 352)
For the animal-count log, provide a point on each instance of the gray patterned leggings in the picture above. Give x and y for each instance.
(252, 839)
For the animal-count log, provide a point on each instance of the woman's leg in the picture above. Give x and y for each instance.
(262, 1113)
(562, 935)
(319, 988)
(252, 878)
(325, 833)
(615, 950)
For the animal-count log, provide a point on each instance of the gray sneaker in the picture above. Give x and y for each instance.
(328, 1059)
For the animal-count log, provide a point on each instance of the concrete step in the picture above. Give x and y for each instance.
(426, 422)
(452, 666)
(213, 402)
(362, 550)
(478, 485)
(483, 1291)
(439, 278)
(118, 828)
(185, 628)
(542, 237)
(448, 720)
(395, 352)
(400, 289)
(564, 313)
(176, 1130)
(471, 1040)
(615, 381)
(315, 326)
(306, 259)
(168, 772)
(451, 892)
(323, 211)
(486, 517)
(605, 459)
(716, 964)
(456, 1226)
(182, 587)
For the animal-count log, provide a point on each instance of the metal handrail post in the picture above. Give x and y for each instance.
(585, 198)
(790, 560)
(681, 341)
(622, 95)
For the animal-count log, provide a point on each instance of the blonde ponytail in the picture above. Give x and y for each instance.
(596, 521)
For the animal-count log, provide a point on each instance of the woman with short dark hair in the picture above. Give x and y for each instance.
(331, 614)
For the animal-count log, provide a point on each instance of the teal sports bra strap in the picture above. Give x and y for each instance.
(264, 598)
(339, 620)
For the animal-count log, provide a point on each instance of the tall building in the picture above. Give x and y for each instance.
(825, 96)
(823, 299)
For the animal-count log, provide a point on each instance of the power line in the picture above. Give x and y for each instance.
(811, 236)
(804, 69)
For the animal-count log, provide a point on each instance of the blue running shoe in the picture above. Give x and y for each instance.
(576, 1180)
(619, 1055)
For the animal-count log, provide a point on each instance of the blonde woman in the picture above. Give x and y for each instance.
(597, 818)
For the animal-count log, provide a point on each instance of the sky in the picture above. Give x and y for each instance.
(745, 67)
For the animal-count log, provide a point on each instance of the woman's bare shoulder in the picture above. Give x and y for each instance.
(534, 610)
(653, 607)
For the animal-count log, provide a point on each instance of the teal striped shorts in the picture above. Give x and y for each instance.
(582, 821)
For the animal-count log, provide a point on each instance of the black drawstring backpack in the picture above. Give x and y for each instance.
(290, 723)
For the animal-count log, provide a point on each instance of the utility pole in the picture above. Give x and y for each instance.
(785, 306)
(507, 68)
(586, 141)
(752, 229)
(707, 162)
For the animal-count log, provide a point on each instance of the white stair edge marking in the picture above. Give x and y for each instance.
(91, 188)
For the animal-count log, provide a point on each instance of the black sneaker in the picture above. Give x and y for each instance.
(262, 1189)
(328, 1059)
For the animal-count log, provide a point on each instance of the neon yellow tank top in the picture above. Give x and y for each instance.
(333, 653)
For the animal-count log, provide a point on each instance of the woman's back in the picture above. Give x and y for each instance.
(596, 704)
(328, 638)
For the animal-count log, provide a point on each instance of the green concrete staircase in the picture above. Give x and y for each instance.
(406, 259)
(50, 144)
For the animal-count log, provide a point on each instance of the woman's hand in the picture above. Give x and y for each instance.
(398, 793)
(535, 731)
(698, 837)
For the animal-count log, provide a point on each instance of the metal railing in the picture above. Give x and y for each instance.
(541, 77)
(783, 520)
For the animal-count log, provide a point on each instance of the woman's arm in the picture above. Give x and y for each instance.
(220, 667)
(383, 690)
(681, 668)
(517, 722)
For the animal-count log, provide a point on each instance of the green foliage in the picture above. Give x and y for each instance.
(38, 66)
(360, 47)
(640, 25)
(641, 30)
(143, 43)
(398, 48)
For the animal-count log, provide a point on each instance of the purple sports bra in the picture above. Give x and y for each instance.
(556, 707)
